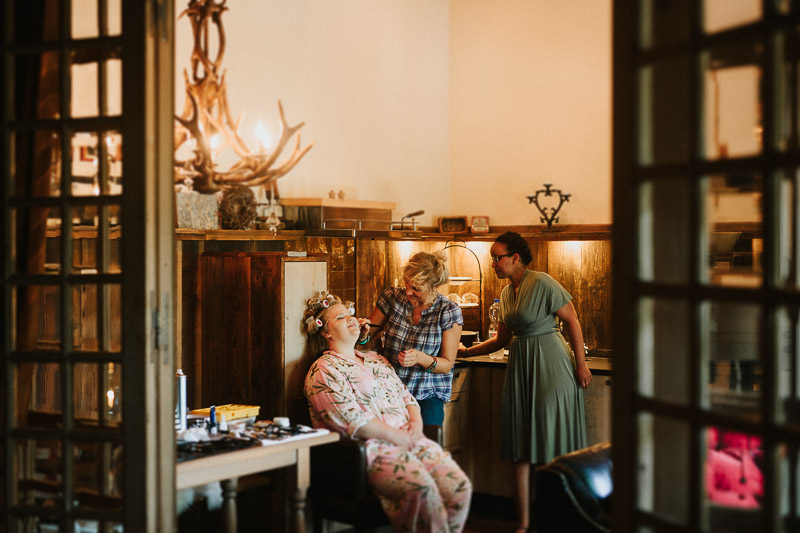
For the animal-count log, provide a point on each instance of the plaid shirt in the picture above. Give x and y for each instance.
(402, 334)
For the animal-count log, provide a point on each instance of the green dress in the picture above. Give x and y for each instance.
(543, 414)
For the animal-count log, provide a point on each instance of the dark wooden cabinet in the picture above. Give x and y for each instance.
(251, 340)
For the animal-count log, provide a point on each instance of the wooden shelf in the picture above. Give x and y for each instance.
(582, 232)
(186, 234)
(567, 232)
(335, 202)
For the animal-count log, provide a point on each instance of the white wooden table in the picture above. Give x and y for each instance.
(227, 467)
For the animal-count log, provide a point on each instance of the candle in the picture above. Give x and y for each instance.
(264, 138)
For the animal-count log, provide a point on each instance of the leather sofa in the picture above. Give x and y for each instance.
(573, 492)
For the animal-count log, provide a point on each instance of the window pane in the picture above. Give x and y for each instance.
(733, 350)
(665, 121)
(665, 231)
(664, 348)
(788, 381)
(787, 231)
(732, 101)
(3, 496)
(789, 481)
(113, 93)
(84, 19)
(734, 480)
(36, 317)
(112, 157)
(46, 525)
(36, 165)
(721, 15)
(98, 468)
(36, 21)
(786, 98)
(96, 167)
(45, 402)
(38, 229)
(97, 394)
(113, 17)
(664, 473)
(84, 90)
(734, 215)
(91, 254)
(664, 23)
(96, 317)
(85, 164)
(113, 302)
(96, 77)
(39, 481)
(85, 318)
(782, 6)
(36, 86)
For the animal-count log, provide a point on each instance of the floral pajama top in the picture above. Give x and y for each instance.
(422, 488)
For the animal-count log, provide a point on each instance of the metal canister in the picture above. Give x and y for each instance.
(180, 406)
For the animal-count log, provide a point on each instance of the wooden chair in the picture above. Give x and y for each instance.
(339, 490)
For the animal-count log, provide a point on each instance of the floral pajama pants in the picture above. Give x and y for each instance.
(421, 489)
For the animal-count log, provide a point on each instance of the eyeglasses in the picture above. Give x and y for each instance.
(497, 258)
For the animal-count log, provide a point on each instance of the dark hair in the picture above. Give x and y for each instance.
(515, 244)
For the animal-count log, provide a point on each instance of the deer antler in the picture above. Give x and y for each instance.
(207, 112)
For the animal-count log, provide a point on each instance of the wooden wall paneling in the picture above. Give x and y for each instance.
(501, 472)
(584, 269)
(489, 474)
(539, 254)
(480, 444)
(265, 358)
(226, 322)
(47, 387)
(341, 254)
(397, 252)
(252, 305)
(371, 273)
(191, 320)
(188, 356)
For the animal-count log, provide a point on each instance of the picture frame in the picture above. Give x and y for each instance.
(480, 224)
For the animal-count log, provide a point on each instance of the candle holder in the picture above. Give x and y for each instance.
(553, 211)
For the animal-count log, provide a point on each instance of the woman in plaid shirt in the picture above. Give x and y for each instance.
(422, 333)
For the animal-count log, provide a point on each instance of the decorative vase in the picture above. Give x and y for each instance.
(197, 211)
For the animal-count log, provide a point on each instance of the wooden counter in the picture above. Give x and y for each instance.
(472, 427)
(600, 366)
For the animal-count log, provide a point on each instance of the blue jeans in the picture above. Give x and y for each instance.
(432, 410)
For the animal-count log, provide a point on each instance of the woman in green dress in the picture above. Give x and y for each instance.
(543, 414)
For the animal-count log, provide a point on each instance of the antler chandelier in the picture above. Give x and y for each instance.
(207, 115)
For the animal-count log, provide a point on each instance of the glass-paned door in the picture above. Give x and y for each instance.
(707, 306)
(82, 276)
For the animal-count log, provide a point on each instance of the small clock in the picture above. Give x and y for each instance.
(480, 224)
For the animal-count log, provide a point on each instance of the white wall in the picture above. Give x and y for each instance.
(459, 107)
(530, 102)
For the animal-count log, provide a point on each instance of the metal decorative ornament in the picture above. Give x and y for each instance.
(549, 213)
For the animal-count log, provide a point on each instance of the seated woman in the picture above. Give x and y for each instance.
(359, 395)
